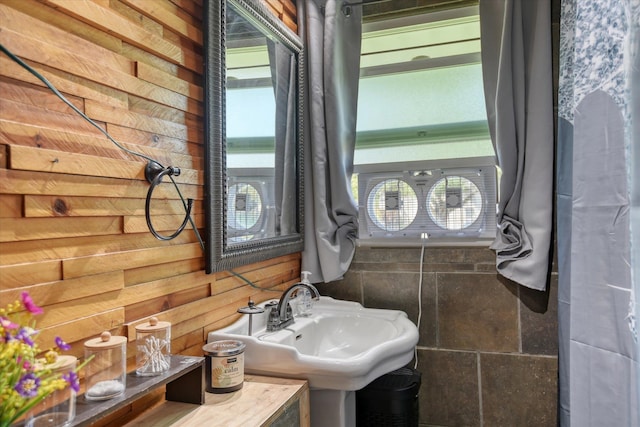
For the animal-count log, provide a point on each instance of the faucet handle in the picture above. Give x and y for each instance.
(271, 304)
(274, 317)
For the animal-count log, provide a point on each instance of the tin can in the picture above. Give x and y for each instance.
(224, 366)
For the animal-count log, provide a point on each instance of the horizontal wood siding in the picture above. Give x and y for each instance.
(72, 226)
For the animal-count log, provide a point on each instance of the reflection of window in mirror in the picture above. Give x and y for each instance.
(421, 99)
(250, 99)
(260, 131)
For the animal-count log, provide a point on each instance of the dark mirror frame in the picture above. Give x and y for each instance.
(219, 255)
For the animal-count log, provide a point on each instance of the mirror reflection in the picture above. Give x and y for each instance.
(254, 135)
(261, 131)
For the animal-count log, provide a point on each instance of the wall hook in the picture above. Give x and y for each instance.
(154, 172)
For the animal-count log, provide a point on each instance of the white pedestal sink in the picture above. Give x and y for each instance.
(339, 349)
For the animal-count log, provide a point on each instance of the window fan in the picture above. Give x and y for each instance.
(447, 202)
(250, 206)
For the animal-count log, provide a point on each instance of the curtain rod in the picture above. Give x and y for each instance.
(346, 6)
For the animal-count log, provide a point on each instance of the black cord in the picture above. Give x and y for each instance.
(73, 107)
(250, 283)
(187, 205)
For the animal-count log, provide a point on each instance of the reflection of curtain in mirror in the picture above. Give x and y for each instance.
(283, 72)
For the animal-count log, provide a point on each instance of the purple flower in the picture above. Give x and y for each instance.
(73, 380)
(24, 335)
(28, 386)
(29, 304)
(61, 344)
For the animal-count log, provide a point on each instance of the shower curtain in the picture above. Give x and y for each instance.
(597, 131)
(634, 44)
(332, 43)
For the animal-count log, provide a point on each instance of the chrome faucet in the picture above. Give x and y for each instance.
(281, 315)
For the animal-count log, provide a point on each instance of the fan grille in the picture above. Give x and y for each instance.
(245, 206)
(392, 205)
(454, 203)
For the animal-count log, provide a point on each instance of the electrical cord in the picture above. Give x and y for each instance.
(250, 283)
(154, 181)
(66, 101)
(415, 366)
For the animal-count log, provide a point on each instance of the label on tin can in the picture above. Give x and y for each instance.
(227, 371)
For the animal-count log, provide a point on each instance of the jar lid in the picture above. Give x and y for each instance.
(224, 348)
(153, 325)
(106, 341)
(63, 363)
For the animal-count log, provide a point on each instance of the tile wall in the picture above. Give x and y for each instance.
(488, 348)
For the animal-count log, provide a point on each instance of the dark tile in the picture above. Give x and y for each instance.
(479, 255)
(449, 391)
(518, 390)
(460, 255)
(392, 290)
(486, 267)
(387, 255)
(477, 312)
(444, 255)
(434, 259)
(394, 266)
(448, 267)
(428, 327)
(539, 319)
(349, 288)
(384, 266)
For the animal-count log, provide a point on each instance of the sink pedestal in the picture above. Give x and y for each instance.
(332, 408)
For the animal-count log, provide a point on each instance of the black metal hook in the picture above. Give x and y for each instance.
(154, 172)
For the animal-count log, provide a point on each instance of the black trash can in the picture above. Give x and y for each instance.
(390, 401)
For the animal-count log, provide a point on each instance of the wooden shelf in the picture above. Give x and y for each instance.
(262, 401)
(184, 381)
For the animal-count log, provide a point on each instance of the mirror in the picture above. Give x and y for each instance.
(253, 135)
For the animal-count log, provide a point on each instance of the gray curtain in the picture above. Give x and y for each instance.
(285, 85)
(599, 369)
(332, 43)
(517, 74)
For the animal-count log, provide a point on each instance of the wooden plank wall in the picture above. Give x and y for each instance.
(72, 226)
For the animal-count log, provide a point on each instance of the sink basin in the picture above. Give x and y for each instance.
(340, 346)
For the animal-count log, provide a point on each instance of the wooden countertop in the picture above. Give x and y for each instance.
(259, 402)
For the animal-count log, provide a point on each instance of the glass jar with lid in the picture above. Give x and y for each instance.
(106, 375)
(58, 408)
(153, 347)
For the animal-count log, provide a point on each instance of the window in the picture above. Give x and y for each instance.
(424, 162)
